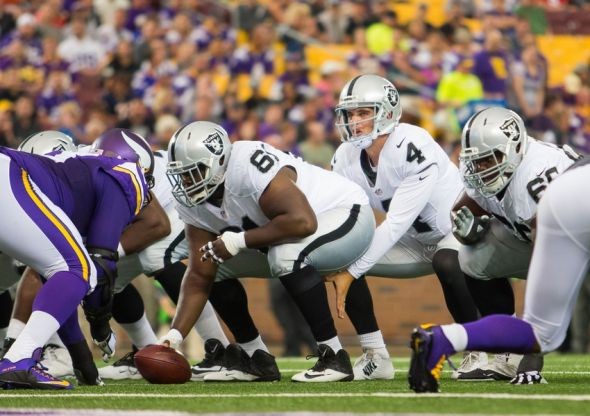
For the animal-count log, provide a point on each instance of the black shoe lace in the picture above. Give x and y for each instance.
(128, 360)
(320, 364)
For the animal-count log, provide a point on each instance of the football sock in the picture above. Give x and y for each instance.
(140, 332)
(333, 343)
(128, 305)
(359, 307)
(15, 327)
(54, 339)
(308, 290)
(229, 299)
(35, 334)
(452, 280)
(255, 344)
(493, 296)
(456, 335)
(6, 304)
(373, 341)
(60, 296)
(208, 326)
(501, 333)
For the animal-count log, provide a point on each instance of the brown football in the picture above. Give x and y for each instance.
(159, 364)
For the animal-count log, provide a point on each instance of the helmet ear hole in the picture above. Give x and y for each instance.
(222, 160)
(518, 148)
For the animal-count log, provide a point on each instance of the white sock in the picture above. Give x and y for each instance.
(35, 334)
(140, 332)
(456, 335)
(333, 343)
(56, 340)
(15, 327)
(255, 344)
(373, 341)
(208, 326)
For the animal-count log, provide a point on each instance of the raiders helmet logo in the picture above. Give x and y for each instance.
(214, 144)
(392, 95)
(510, 129)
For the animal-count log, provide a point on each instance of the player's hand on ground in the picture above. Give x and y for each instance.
(468, 228)
(529, 377)
(342, 281)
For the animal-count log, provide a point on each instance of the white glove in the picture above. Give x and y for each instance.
(173, 339)
(107, 346)
(234, 242)
(468, 228)
(529, 377)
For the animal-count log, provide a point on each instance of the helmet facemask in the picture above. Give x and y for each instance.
(346, 127)
(193, 184)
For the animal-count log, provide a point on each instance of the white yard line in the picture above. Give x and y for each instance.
(495, 396)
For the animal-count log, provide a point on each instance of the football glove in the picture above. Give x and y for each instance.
(468, 228)
(529, 377)
(173, 339)
(107, 346)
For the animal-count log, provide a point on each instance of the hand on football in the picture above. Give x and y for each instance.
(172, 339)
(342, 281)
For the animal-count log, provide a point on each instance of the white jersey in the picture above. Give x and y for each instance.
(251, 167)
(415, 183)
(517, 208)
(162, 189)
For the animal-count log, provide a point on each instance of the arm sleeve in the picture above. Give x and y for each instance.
(407, 203)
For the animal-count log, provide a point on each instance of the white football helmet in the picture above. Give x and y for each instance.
(198, 157)
(493, 143)
(368, 91)
(47, 141)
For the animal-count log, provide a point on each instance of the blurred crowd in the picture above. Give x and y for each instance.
(82, 66)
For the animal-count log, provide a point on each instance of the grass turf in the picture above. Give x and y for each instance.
(568, 392)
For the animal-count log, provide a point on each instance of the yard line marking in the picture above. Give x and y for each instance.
(496, 396)
(405, 370)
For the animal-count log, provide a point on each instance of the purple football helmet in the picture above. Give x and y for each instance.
(125, 144)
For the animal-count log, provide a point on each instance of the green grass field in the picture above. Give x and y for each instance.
(568, 392)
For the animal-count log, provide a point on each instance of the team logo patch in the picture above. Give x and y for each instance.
(214, 143)
(510, 129)
(392, 95)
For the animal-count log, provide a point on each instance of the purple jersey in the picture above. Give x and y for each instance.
(76, 184)
(492, 70)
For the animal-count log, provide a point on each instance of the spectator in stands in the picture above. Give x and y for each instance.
(528, 79)
(362, 61)
(57, 90)
(333, 76)
(469, 7)
(7, 21)
(69, 121)
(381, 36)
(24, 120)
(111, 34)
(316, 149)
(454, 19)
(334, 22)
(137, 117)
(535, 14)
(164, 129)
(27, 33)
(491, 66)
(248, 14)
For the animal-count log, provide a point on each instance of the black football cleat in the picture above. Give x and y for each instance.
(423, 379)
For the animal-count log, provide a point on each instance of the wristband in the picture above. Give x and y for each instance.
(234, 242)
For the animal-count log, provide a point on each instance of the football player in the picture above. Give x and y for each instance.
(50, 202)
(557, 269)
(505, 174)
(236, 198)
(408, 177)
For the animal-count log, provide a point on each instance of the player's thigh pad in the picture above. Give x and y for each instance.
(408, 258)
(499, 254)
(247, 263)
(342, 236)
(36, 231)
(167, 250)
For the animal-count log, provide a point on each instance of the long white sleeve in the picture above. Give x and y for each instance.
(408, 201)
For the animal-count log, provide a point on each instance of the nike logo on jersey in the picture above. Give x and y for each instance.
(400, 143)
(540, 173)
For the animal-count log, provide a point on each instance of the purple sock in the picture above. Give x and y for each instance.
(70, 332)
(501, 333)
(440, 346)
(61, 295)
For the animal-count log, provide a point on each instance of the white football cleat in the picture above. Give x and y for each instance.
(471, 361)
(57, 361)
(329, 367)
(373, 366)
(122, 369)
(502, 367)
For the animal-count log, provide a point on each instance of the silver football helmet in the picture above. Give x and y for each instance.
(47, 141)
(368, 91)
(198, 157)
(493, 144)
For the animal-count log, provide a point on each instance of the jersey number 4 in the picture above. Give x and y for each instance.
(414, 154)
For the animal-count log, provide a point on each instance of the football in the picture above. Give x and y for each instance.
(159, 364)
